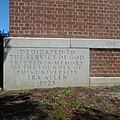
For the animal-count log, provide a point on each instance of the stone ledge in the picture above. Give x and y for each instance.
(95, 43)
(61, 42)
(104, 81)
(36, 42)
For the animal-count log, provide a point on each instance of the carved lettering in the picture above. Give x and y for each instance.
(46, 66)
(110, 43)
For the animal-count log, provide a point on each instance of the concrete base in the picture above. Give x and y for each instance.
(104, 81)
(52, 62)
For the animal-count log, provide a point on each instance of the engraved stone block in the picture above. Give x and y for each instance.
(26, 68)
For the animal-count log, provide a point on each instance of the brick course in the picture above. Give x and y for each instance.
(72, 19)
(105, 63)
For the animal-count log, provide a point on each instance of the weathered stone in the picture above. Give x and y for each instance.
(43, 67)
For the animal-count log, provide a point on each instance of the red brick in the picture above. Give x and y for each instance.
(71, 19)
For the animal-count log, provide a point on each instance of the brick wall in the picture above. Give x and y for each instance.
(105, 63)
(71, 19)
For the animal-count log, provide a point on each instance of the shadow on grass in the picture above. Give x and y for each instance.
(19, 107)
(93, 114)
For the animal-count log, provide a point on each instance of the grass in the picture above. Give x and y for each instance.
(67, 91)
(113, 87)
(60, 103)
(57, 97)
(50, 105)
(2, 91)
(45, 102)
(22, 91)
(78, 105)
